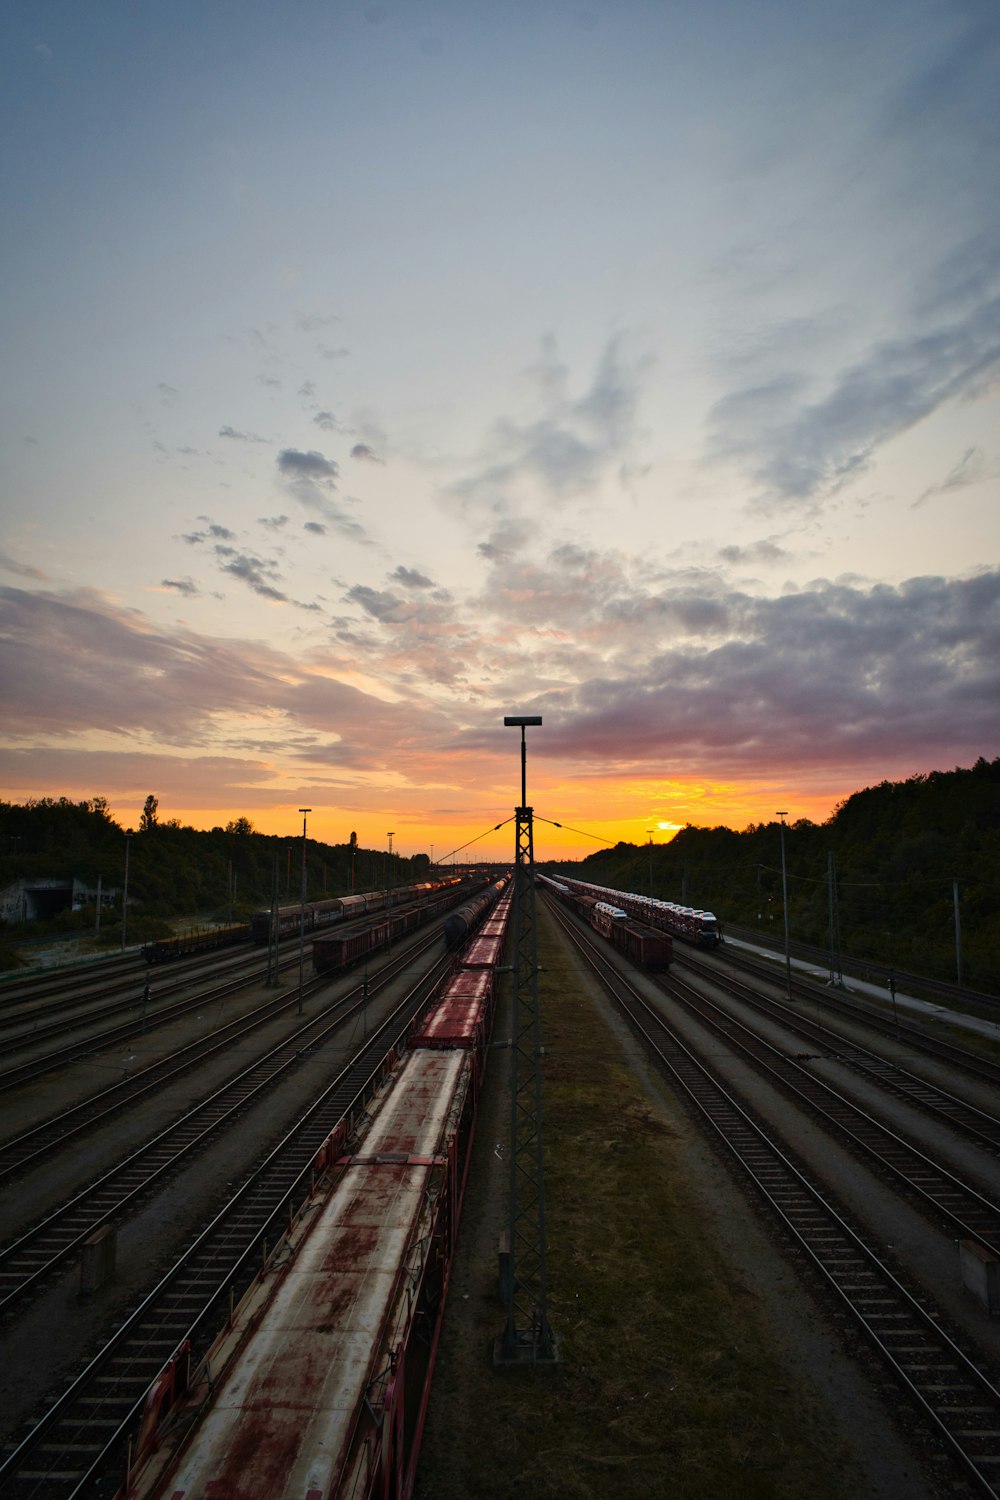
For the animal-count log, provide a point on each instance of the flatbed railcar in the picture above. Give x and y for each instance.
(318, 1385)
(162, 950)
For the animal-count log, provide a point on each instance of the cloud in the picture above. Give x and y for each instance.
(214, 530)
(20, 569)
(757, 553)
(241, 437)
(313, 322)
(273, 523)
(312, 478)
(316, 527)
(634, 674)
(257, 573)
(327, 421)
(411, 579)
(329, 352)
(806, 404)
(970, 469)
(362, 452)
(570, 446)
(184, 586)
(169, 395)
(312, 465)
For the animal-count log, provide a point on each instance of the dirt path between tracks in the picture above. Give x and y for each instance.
(693, 1362)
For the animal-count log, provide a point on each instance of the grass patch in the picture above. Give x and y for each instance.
(666, 1384)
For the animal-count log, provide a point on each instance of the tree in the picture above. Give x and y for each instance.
(241, 826)
(354, 841)
(147, 822)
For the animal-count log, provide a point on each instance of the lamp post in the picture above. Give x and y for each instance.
(302, 908)
(784, 902)
(649, 831)
(388, 896)
(128, 840)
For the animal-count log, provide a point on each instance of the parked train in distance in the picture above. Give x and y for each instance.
(335, 952)
(649, 946)
(685, 922)
(339, 908)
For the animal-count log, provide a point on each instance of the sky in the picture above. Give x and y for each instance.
(375, 370)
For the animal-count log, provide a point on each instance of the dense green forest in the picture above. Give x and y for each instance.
(900, 850)
(218, 874)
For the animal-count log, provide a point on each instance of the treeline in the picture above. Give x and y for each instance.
(900, 850)
(178, 871)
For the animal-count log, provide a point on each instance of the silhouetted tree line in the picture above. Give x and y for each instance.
(180, 871)
(899, 849)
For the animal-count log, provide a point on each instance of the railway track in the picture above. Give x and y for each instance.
(976, 1125)
(81, 1443)
(47, 1245)
(948, 1384)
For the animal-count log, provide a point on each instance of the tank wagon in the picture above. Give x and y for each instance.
(318, 1386)
(685, 922)
(461, 923)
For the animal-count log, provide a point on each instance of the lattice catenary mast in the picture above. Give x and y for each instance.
(527, 1337)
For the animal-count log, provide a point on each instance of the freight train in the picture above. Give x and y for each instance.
(335, 952)
(685, 922)
(340, 908)
(649, 946)
(318, 1385)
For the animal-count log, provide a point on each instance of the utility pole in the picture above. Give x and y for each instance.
(836, 972)
(784, 902)
(388, 895)
(527, 1337)
(128, 840)
(302, 908)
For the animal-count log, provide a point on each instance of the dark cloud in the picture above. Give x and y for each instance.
(832, 676)
(365, 454)
(327, 421)
(757, 553)
(183, 586)
(240, 437)
(273, 523)
(316, 527)
(411, 579)
(312, 478)
(378, 604)
(213, 530)
(807, 405)
(312, 465)
(257, 573)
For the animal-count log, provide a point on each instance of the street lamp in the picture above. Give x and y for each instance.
(650, 833)
(302, 908)
(784, 902)
(388, 896)
(128, 840)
